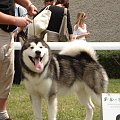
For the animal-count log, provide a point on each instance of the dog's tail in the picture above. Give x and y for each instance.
(75, 48)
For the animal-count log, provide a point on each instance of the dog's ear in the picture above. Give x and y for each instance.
(43, 36)
(22, 38)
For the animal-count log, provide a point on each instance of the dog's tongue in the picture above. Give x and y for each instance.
(37, 64)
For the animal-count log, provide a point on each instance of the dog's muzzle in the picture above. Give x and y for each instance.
(37, 60)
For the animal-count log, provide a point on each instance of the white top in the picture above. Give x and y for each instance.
(22, 11)
(80, 31)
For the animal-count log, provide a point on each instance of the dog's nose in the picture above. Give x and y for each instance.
(38, 52)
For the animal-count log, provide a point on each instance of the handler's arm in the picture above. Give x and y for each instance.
(7, 19)
(12, 20)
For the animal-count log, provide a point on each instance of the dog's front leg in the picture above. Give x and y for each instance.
(36, 106)
(52, 107)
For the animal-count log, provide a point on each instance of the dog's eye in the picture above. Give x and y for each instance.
(31, 47)
(41, 47)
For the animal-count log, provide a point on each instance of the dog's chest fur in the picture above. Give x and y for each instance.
(37, 85)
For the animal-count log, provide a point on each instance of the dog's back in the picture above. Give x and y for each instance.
(79, 64)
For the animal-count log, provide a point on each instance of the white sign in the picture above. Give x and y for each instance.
(111, 106)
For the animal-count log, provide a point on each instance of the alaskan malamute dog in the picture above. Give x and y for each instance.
(47, 75)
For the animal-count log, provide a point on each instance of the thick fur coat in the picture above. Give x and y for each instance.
(75, 68)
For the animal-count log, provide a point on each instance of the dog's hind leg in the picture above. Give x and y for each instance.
(85, 99)
(36, 106)
(52, 107)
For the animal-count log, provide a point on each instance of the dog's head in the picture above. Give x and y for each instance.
(35, 54)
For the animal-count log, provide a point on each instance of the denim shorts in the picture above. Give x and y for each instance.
(6, 64)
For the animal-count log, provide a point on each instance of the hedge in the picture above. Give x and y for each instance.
(110, 59)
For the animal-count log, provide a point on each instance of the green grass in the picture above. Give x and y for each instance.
(19, 106)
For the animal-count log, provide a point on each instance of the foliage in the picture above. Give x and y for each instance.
(111, 62)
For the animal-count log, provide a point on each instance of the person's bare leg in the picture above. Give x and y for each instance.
(3, 111)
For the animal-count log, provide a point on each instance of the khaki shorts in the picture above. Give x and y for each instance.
(52, 36)
(6, 63)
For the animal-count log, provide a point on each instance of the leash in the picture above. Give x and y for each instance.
(34, 27)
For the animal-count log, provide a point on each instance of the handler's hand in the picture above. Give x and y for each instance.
(32, 10)
(22, 21)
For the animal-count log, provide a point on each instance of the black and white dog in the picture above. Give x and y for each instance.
(48, 75)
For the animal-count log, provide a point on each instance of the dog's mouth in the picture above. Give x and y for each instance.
(37, 61)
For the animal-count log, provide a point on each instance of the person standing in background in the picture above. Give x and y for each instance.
(56, 20)
(9, 22)
(46, 3)
(80, 28)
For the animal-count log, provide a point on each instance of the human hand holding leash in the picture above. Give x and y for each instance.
(22, 21)
(32, 10)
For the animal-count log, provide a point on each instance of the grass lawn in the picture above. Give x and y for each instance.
(19, 106)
